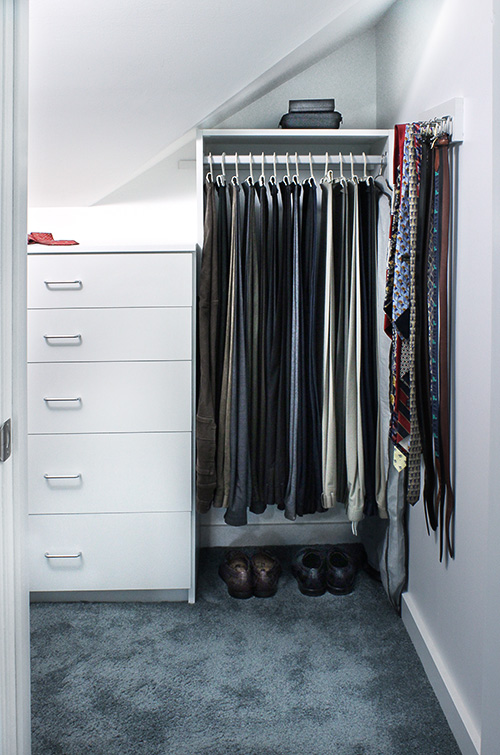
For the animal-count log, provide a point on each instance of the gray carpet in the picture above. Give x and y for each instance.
(288, 675)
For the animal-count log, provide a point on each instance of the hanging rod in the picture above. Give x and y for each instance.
(333, 159)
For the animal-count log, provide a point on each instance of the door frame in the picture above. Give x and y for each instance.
(490, 730)
(14, 596)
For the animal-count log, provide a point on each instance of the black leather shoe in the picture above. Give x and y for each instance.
(266, 572)
(356, 551)
(236, 572)
(309, 569)
(358, 554)
(340, 571)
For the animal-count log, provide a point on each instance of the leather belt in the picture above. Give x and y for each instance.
(446, 497)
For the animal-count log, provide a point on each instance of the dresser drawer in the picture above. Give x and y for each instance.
(95, 335)
(109, 397)
(148, 551)
(110, 280)
(73, 474)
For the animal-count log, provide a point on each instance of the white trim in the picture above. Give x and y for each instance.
(111, 596)
(194, 531)
(14, 603)
(490, 720)
(454, 707)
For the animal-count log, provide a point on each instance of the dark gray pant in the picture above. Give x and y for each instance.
(206, 477)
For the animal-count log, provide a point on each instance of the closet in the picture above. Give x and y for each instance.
(110, 376)
(377, 144)
(259, 155)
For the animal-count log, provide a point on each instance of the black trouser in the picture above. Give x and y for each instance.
(309, 495)
(283, 333)
(223, 245)
(273, 329)
(206, 475)
(241, 484)
(369, 367)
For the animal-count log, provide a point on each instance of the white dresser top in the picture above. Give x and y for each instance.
(123, 249)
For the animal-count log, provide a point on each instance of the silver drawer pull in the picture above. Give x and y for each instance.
(76, 337)
(62, 476)
(76, 283)
(63, 555)
(53, 398)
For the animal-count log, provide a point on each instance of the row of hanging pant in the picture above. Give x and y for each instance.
(293, 389)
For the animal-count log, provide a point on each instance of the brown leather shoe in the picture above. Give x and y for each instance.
(236, 572)
(266, 572)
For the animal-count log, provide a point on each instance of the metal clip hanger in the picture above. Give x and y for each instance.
(210, 174)
(274, 177)
(324, 178)
(262, 177)
(250, 177)
(295, 177)
(236, 178)
(342, 178)
(287, 177)
(221, 178)
(311, 180)
(354, 177)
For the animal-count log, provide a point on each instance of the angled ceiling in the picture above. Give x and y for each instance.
(115, 85)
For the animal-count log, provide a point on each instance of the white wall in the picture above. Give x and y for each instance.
(490, 735)
(159, 207)
(348, 75)
(427, 54)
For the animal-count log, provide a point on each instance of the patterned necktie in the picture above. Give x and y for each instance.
(404, 424)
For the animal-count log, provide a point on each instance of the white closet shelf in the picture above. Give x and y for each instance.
(376, 144)
(229, 137)
(373, 142)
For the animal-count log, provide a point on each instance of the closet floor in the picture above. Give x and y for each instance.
(287, 675)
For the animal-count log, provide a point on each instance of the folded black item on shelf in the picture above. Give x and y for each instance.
(311, 106)
(315, 119)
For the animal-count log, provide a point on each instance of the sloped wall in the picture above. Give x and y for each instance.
(348, 75)
(159, 207)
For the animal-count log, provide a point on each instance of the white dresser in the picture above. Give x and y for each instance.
(110, 408)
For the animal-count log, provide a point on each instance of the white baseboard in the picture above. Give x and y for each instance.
(111, 596)
(463, 727)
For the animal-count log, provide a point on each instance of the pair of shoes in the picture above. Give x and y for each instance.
(334, 569)
(246, 576)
